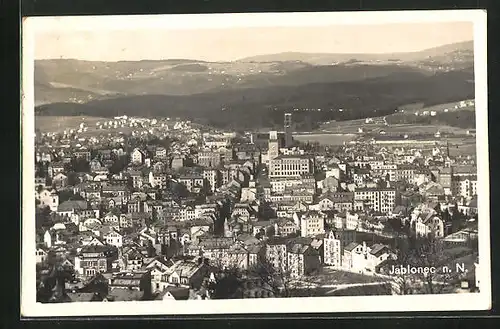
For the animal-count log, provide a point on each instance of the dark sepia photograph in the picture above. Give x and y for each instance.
(317, 162)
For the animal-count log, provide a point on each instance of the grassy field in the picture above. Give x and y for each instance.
(352, 126)
(60, 123)
(325, 139)
(450, 106)
(331, 277)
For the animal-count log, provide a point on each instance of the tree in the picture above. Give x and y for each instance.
(119, 164)
(228, 282)
(73, 178)
(277, 279)
(429, 263)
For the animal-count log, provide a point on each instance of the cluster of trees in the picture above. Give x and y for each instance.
(423, 253)
(231, 280)
(254, 107)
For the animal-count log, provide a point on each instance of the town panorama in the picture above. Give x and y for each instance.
(369, 190)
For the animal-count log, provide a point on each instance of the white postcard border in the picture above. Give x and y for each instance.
(451, 302)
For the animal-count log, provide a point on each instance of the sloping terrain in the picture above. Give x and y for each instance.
(63, 80)
(254, 107)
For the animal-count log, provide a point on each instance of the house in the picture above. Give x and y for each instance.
(125, 221)
(130, 285)
(41, 255)
(158, 269)
(347, 256)
(60, 180)
(48, 199)
(137, 156)
(114, 238)
(67, 208)
(377, 254)
(112, 220)
(429, 224)
(285, 227)
(245, 256)
(302, 260)
(91, 240)
(214, 249)
(186, 273)
(90, 224)
(332, 251)
(276, 253)
(94, 259)
(198, 228)
(133, 258)
(54, 168)
(264, 227)
(161, 153)
(312, 223)
(361, 258)
(175, 293)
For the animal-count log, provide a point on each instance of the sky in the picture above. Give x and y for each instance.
(114, 43)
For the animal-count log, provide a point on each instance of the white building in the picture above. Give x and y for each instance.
(312, 223)
(137, 156)
(381, 200)
(114, 238)
(49, 199)
(332, 250)
(290, 166)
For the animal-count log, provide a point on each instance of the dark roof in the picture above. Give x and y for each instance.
(378, 249)
(81, 296)
(125, 295)
(351, 246)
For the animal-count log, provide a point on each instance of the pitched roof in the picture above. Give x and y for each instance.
(184, 268)
(125, 295)
(378, 249)
(81, 296)
(71, 205)
(351, 246)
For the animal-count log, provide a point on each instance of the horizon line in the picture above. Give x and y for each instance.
(264, 54)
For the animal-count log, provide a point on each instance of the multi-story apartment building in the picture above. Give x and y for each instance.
(158, 179)
(276, 254)
(384, 169)
(464, 186)
(297, 195)
(340, 201)
(379, 199)
(161, 153)
(290, 166)
(278, 185)
(137, 180)
(302, 260)
(333, 249)
(406, 173)
(209, 159)
(312, 223)
(192, 181)
(95, 259)
(213, 178)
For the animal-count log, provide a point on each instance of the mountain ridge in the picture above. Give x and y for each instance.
(414, 55)
(260, 107)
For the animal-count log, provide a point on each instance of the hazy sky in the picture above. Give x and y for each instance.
(229, 44)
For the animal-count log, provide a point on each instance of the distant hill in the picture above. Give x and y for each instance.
(264, 107)
(66, 80)
(326, 58)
